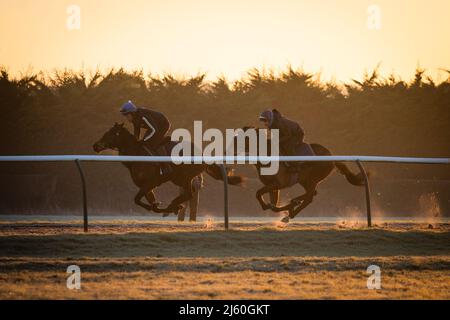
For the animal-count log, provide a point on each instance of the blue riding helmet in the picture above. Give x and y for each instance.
(127, 108)
(267, 116)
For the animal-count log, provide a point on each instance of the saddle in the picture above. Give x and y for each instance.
(301, 149)
(164, 148)
(167, 144)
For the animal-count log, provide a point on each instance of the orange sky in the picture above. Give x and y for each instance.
(227, 37)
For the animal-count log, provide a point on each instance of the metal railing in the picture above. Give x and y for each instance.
(221, 161)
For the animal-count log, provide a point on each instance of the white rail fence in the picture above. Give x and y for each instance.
(221, 161)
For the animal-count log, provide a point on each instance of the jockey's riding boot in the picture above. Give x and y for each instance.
(166, 168)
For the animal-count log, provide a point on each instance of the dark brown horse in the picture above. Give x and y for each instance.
(146, 175)
(309, 176)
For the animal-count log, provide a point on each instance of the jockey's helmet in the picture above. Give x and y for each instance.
(127, 108)
(266, 116)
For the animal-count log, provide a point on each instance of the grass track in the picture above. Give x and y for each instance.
(254, 261)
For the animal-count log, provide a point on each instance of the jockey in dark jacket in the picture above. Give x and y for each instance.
(156, 126)
(291, 135)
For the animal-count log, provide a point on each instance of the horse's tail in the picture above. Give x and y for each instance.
(216, 172)
(354, 179)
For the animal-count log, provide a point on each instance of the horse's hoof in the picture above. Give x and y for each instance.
(155, 207)
(285, 219)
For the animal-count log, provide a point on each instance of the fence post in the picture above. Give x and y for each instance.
(225, 194)
(83, 185)
(367, 187)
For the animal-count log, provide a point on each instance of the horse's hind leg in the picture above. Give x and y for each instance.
(175, 205)
(182, 212)
(298, 200)
(306, 201)
(193, 202)
(193, 206)
(303, 201)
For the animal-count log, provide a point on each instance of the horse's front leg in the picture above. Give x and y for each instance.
(275, 197)
(138, 199)
(292, 204)
(260, 196)
(146, 191)
(150, 196)
(302, 201)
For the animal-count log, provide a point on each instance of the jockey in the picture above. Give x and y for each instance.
(291, 135)
(156, 126)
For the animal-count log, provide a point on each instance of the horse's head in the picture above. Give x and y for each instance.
(111, 139)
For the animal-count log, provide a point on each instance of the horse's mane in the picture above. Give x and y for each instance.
(127, 132)
(129, 141)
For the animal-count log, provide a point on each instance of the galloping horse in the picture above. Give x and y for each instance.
(146, 175)
(309, 176)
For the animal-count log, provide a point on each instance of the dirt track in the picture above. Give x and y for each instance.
(254, 260)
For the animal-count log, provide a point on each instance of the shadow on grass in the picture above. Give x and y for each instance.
(221, 244)
(98, 266)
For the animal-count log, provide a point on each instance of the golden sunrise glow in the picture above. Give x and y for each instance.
(227, 37)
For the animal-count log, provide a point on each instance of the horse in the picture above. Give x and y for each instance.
(309, 175)
(146, 175)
